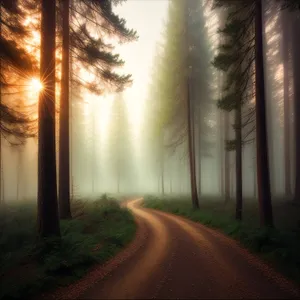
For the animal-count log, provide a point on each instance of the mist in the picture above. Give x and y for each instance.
(115, 152)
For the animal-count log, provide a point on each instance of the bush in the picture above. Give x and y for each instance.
(102, 229)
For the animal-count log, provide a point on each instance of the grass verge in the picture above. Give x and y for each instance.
(99, 231)
(279, 247)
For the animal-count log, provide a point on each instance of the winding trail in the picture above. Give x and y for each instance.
(174, 258)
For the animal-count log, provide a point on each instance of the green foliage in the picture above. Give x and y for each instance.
(223, 61)
(290, 4)
(235, 59)
(17, 65)
(278, 247)
(95, 53)
(28, 268)
(228, 102)
(184, 52)
(230, 145)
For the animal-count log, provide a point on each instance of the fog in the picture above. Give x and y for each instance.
(114, 148)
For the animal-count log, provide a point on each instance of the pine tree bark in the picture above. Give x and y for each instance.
(64, 134)
(1, 198)
(191, 112)
(194, 193)
(221, 154)
(18, 173)
(263, 176)
(71, 66)
(225, 126)
(227, 159)
(162, 172)
(286, 107)
(238, 162)
(199, 151)
(296, 76)
(254, 174)
(94, 160)
(48, 219)
(2, 181)
(118, 182)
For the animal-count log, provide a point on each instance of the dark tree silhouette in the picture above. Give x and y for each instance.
(48, 219)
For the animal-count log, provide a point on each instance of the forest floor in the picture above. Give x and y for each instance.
(279, 247)
(97, 232)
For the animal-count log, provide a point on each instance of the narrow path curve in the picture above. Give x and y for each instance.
(174, 258)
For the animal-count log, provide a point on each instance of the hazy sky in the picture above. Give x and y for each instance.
(146, 17)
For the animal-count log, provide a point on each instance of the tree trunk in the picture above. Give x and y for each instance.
(179, 177)
(18, 172)
(1, 198)
(94, 162)
(296, 75)
(232, 178)
(162, 171)
(263, 176)
(196, 115)
(286, 92)
(64, 134)
(238, 163)
(227, 159)
(2, 180)
(118, 174)
(71, 65)
(225, 127)
(221, 146)
(48, 219)
(199, 153)
(254, 173)
(194, 193)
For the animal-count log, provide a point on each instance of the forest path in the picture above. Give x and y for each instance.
(182, 259)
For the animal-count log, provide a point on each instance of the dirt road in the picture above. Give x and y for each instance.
(181, 259)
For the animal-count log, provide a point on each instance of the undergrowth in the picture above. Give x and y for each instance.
(279, 247)
(29, 267)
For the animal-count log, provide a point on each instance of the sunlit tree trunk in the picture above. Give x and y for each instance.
(263, 176)
(71, 114)
(286, 92)
(64, 134)
(270, 105)
(48, 219)
(2, 180)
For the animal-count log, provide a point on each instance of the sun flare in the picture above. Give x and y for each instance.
(35, 85)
